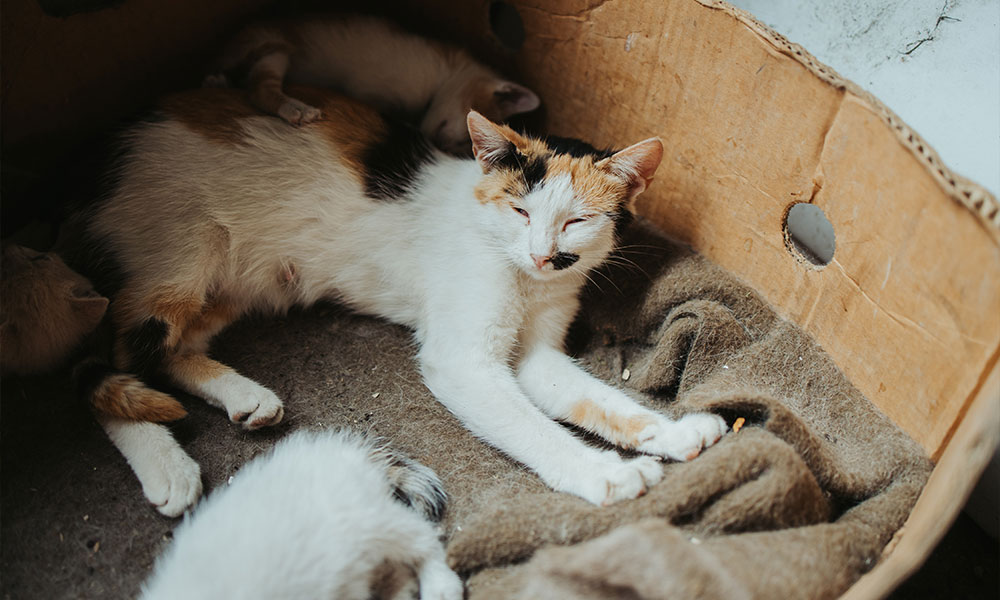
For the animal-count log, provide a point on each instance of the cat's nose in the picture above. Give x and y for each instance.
(540, 261)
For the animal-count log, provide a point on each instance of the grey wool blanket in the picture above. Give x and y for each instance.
(797, 504)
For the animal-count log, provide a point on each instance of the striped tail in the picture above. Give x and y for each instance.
(117, 394)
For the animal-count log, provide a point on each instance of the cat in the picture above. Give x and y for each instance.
(46, 311)
(374, 61)
(219, 211)
(51, 317)
(319, 516)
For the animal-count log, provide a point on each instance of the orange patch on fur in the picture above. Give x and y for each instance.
(498, 186)
(619, 429)
(200, 329)
(353, 127)
(195, 368)
(124, 396)
(213, 112)
(597, 189)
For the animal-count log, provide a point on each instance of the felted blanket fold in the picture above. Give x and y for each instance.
(797, 504)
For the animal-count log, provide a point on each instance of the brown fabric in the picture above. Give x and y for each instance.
(797, 504)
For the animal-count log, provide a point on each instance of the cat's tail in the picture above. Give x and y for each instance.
(117, 394)
(412, 483)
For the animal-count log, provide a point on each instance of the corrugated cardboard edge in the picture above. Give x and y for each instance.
(946, 492)
(960, 189)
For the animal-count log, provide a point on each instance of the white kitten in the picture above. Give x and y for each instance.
(314, 518)
(376, 62)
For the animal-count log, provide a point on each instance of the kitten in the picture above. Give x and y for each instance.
(317, 517)
(51, 316)
(46, 311)
(373, 61)
(218, 212)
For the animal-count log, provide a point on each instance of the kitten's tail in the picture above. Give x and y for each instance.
(412, 483)
(117, 394)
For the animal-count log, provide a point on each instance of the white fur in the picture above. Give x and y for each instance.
(314, 518)
(170, 479)
(490, 323)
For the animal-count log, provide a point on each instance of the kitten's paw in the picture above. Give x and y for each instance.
(170, 481)
(297, 112)
(614, 479)
(438, 582)
(684, 439)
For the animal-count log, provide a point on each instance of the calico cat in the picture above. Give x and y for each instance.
(375, 62)
(219, 211)
(317, 517)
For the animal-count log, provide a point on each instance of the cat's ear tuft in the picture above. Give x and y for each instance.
(513, 99)
(491, 143)
(635, 165)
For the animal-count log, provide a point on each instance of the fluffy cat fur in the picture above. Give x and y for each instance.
(219, 211)
(374, 61)
(326, 523)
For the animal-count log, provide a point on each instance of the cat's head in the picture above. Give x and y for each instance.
(556, 202)
(46, 309)
(495, 98)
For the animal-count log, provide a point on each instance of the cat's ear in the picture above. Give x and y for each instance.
(89, 309)
(635, 165)
(512, 99)
(491, 143)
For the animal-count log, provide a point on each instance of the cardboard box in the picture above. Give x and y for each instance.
(909, 307)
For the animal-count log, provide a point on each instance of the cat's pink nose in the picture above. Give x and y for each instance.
(540, 261)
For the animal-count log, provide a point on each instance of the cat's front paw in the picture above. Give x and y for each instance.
(171, 481)
(613, 479)
(684, 439)
(297, 112)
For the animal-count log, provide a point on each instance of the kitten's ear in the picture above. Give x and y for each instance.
(90, 310)
(636, 164)
(491, 143)
(512, 99)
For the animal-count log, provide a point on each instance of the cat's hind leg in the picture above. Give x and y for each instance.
(172, 338)
(170, 479)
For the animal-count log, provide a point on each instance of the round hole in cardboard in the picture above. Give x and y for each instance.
(809, 234)
(506, 25)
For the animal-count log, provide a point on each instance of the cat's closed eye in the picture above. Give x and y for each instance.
(521, 212)
(573, 221)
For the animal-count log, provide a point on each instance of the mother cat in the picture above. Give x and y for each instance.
(217, 211)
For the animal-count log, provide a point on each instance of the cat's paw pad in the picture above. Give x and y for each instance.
(616, 479)
(682, 440)
(297, 112)
(173, 483)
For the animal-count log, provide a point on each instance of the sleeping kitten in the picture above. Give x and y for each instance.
(46, 311)
(373, 61)
(317, 517)
(219, 211)
(51, 316)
